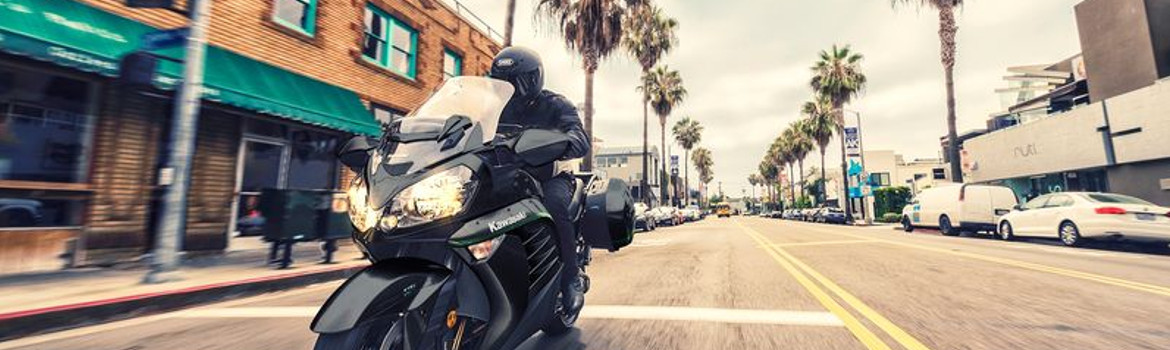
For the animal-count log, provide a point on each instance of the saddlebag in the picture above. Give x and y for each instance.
(609, 215)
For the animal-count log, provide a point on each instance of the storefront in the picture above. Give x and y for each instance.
(79, 151)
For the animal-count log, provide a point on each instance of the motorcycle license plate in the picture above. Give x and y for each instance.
(1146, 217)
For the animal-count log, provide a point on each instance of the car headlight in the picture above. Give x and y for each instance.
(438, 196)
(360, 213)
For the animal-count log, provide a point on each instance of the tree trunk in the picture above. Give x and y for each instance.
(800, 171)
(946, 32)
(824, 182)
(791, 184)
(587, 165)
(509, 19)
(844, 196)
(645, 145)
(665, 162)
(686, 176)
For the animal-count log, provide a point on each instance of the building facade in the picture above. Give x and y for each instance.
(626, 163)
(1116, 140)
(286, 82)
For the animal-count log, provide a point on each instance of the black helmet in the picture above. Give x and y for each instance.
(522, 68)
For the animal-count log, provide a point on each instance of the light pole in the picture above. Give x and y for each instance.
(174, 176)
(861, 180)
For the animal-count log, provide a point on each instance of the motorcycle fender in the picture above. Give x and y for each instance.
(379, 289)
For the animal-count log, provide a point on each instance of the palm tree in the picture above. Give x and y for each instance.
(799, 145)
(820, 125)
(837, 76)
(754, 180)
(947, 30)
(665, 88)
(593, 28)
(769, 173)
(648, 36)
(688, 133)
(704, 163)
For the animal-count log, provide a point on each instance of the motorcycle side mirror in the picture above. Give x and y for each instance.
(355, 153)
(539, 147)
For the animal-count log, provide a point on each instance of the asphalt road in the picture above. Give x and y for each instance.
(751, 283)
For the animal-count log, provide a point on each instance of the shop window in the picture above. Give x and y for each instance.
(386, 115)
(390, 43)
(296, 14)
(452, 64)
(44, 126)
(40, 209)
(312, 164)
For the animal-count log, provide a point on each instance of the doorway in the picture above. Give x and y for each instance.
(262, 164)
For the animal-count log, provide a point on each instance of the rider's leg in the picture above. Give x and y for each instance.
(558, 193)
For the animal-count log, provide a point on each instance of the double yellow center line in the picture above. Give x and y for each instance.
(805, 275)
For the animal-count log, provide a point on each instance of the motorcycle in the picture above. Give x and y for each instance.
(464, 254)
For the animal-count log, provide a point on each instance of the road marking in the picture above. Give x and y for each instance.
(106, 327)
(867, 338)
(901, 336)
(670, 313)
(1138, 286)
(805, 244)
(619, 312)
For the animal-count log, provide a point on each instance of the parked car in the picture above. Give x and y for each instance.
(831, 215)
(1076, 216)
(693, 213)
(644, 218)
(668, 216)
(957, 208)
(775, 214)
(807, 214)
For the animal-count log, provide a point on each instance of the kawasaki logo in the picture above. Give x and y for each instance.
(505, 222)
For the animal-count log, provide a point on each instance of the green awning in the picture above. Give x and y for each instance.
(76, 35)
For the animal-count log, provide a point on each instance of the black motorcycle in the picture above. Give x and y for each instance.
(464, 254)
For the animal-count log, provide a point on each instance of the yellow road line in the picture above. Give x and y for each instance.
(905, 339)
(1139, 286)
(867, 338)
(805, 244)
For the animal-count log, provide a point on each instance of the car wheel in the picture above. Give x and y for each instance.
(1070, 235)
(1005, 231)
(906, 225)
(944, 225)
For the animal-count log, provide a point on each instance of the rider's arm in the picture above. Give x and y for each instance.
(570, 124)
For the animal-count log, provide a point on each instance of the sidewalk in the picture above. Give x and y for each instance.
(70, 298)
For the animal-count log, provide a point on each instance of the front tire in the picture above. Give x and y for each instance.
(377, 334)
(1005, 231)
(1070, 235)
(945, 226)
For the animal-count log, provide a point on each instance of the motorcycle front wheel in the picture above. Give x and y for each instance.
(380, 334)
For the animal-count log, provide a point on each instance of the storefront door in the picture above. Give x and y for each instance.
(262, 164)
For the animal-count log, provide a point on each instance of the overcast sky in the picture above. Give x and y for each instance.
(746, 66)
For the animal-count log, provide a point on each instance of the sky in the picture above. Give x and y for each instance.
(745, 64)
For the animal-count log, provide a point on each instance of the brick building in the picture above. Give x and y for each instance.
(286, 82)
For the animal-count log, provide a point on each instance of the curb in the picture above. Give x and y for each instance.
(19, 324)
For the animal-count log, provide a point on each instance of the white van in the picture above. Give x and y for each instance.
(959, 208)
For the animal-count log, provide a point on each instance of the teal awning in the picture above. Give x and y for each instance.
(76, 35)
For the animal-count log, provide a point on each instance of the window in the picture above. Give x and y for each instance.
(45, 126)
(296, 14)
(1058, 201)
(1037, 203)
(879, 179)
(940, 174)
(390, 43)
(386, 115)
(452, 64)
(19, 208)
(312, 164)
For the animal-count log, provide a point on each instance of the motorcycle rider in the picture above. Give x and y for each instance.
(533, 107)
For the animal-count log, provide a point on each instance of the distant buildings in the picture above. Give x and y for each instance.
(1105, 127)
(626, 163)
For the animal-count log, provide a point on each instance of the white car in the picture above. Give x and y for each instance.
(1074, 216)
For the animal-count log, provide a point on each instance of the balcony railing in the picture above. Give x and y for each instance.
(474, 19)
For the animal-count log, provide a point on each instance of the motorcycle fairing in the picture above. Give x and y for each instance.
(500, 222)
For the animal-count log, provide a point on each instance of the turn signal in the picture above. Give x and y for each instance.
(485, 249)
(1111, 211)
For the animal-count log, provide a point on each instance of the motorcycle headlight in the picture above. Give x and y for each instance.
(360, 213)
(438, 196)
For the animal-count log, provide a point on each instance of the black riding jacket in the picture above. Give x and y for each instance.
(550, 111)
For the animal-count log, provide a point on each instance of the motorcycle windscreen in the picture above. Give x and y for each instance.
(479, 99)
(609, 216)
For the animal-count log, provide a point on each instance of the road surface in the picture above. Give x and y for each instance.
(755, 283)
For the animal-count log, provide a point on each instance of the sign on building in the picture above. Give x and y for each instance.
(163, 39)
(852, 142)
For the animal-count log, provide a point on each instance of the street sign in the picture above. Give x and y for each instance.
(852, 142)
(673, 165)
(163, 39)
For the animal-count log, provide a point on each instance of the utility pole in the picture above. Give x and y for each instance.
(174, 176)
